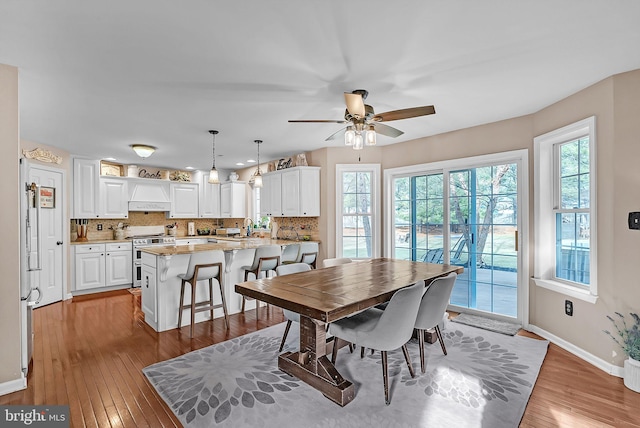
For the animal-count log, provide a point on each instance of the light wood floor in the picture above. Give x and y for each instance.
(89, 354)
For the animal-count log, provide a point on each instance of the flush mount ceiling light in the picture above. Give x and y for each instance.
(213, 174)
(143, 150)
(257, 177)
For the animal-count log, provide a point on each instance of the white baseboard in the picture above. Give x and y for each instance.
(13, 385)
(578, 352)
(68, 296)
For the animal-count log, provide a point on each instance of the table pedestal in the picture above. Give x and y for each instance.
(311, 365)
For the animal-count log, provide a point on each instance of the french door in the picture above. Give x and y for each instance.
(466, 213)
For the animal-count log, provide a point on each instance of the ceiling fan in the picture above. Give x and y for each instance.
(364, 123)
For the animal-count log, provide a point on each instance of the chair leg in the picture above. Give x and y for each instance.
(243, 300)
(224, 303)
(181, 303)
(385, 377)
(351, 347)
(334, 354)
(421, 345)
(284, 336)
(211, 296)
(193, 305)
(361, 352)
(407, 358)
(441, 339)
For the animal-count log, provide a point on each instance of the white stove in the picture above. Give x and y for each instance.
(144, 241)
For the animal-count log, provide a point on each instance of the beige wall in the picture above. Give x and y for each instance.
(10, 248)
(614, 102)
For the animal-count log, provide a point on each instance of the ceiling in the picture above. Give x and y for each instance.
(96, 77)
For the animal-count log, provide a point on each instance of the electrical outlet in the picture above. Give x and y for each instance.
(99, 227)
(568, 307)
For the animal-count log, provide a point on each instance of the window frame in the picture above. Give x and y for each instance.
(547, 191)
(374, 169)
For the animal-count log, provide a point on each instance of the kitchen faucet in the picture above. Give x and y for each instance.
(248, 222)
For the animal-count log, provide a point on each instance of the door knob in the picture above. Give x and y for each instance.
(59, 243)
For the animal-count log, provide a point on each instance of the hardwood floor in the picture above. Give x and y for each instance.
(89, 354)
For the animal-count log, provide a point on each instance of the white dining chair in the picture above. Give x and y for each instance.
(382, 330)
(290, 315)
(207, 265)
(336, 262)
(432, 307)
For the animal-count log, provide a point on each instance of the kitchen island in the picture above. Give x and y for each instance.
(161, 266)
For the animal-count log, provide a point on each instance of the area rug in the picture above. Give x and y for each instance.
(502, 327)
(484, 381)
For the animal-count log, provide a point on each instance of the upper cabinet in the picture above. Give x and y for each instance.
(86, 174)
(184, 200)
(292, 192)
(114, 197)
(232, 199)
(209, 198)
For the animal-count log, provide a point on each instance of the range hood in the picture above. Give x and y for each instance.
(149, 196)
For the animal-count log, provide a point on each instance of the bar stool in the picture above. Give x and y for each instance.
(307, 253)
(265, 259)
(290, 254)
(202, 266)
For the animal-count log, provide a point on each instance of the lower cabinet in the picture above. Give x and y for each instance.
(101, 267)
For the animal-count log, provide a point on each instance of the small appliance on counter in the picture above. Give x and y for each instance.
(191, 228)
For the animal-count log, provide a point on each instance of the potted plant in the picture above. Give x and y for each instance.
(628, 337)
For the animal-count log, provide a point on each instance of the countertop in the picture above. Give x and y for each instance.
(225, 244)
(100, 241)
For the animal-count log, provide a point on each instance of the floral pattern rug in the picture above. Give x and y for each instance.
(484, 381)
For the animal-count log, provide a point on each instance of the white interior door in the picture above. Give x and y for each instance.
(50, 279)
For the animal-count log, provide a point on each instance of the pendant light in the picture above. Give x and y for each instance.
(213, 174)
(257, 178)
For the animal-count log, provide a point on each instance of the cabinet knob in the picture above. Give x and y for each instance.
(59, 243)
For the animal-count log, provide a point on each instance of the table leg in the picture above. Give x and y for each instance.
(311, 365)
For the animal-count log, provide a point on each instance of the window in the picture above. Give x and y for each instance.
(565, 256)
(357, 223)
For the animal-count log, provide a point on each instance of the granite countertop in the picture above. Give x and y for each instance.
(100, 241)
(227, 244)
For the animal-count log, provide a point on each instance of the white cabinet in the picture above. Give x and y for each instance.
(292, 192)
(85, 188)
(114, 198)
(271, 195)
(232, 200)
(118, 264)
(209, 198)
(99, 266)
(89, 267)
(184, 200)
(149, 287)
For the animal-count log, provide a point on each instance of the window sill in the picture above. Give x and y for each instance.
(565, 289)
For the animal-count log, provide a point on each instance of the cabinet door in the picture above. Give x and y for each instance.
(310, 192)
(184, 198)
(149, 293)
(232, 200)
(291, 193)
(271, 195)
(89, 270)
(118, 268)
(85, 188)
(225, 200)
(209, 198)
(114, 198)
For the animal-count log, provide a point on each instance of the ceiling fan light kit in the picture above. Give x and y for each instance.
(143, 150)
(213, 174)
(362, 119)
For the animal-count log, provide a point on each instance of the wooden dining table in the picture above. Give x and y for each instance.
(322, 296)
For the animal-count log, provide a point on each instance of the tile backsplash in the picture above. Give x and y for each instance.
(292, 225)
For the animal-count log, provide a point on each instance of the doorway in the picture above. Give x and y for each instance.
(468, 212)
(50, 280)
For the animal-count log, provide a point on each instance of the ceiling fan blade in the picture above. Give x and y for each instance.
(387, 130)
(317, 121)
(405, 113)
(355, 104)
(336, 135)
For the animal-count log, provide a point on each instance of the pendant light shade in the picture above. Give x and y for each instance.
(213, 174)
(257, 177)
(370, 139)
(349, 136)
(143, 150)
(358, 141)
